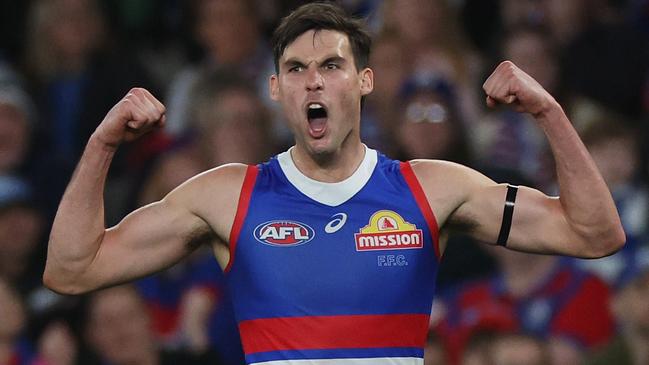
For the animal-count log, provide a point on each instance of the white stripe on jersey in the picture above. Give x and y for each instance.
(331, 194)
(369, 361)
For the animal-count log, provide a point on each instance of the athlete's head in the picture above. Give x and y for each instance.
(321, 57)
(317, 17)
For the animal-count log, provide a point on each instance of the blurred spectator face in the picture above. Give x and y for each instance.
(11, 313)
(616, 159)
(389, 65)
(563, 351)
(630, 305)
(20, 230)
(427, 129)
(415, 20)
(531, 52)
(565, 19)
(62, 35)
(477, 351)
(73, 27)
(227, 29)
(515, 259)
(519, 12)
(235, 129)
(118, 326)
(57, 345)
(437, 62)
(517, 350)
(14, 137)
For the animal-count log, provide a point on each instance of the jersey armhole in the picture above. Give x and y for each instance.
(242, 210)
(422, 202)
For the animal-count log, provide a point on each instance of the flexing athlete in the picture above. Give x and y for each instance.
(330, 248)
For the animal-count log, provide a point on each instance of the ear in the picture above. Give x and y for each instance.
(273, 84)
(367, 81)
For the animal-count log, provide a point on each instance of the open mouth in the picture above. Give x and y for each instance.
(317, 116)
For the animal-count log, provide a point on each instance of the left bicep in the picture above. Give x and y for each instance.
(465, 200)
(538, 223)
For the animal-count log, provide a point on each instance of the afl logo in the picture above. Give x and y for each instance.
(284, 233)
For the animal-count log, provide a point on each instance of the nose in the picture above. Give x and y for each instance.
(314, 79)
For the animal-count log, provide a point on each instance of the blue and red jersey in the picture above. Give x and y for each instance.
(333, 271)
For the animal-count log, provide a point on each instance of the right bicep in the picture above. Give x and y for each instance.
(146, 241)
(160, 234)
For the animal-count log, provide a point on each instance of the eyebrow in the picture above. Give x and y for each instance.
(292, 62)
(297, 62)
(334, 59)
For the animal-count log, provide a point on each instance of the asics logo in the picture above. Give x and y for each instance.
(336, 223)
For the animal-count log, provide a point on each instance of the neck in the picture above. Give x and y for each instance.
(329, 167)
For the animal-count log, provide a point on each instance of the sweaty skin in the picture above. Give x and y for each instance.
(318, 67)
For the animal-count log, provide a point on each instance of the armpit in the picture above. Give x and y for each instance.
(461, 224)
(203, 235)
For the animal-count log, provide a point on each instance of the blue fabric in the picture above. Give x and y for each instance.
(320, 273)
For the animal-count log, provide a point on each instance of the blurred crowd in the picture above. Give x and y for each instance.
(64, 63)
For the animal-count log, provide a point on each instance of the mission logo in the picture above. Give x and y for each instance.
(387, 230)
(284, 233)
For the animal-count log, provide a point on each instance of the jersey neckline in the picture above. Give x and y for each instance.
(331, 194)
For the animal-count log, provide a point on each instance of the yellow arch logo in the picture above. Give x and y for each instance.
(387, 221)
(387, 230)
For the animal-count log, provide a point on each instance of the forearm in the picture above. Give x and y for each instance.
(79, 224)
(584, 196)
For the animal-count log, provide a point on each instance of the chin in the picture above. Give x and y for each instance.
(321, 147)
(320, 150)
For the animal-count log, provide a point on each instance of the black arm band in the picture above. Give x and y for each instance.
(508, 212)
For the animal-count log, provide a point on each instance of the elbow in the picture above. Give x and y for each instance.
(617, 241)
(607, 243)
(63, 287)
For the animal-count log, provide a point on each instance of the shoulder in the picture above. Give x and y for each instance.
(448, 178)
(212, 195)
(211, 186)
(449, 186)
(445, 170)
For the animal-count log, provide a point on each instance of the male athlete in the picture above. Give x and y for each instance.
(330, 248)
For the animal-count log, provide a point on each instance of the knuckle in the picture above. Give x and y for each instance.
(127, 102)
(507, 63)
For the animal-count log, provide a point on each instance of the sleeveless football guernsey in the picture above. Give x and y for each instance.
(333, 273)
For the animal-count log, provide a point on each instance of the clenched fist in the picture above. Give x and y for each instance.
(510, 85)
(137, 113)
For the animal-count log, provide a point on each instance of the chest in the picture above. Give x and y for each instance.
(300, 257)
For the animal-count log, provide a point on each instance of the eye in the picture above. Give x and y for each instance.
(331, 66)
(296, 69)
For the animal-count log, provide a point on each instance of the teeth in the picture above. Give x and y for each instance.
(315, 106)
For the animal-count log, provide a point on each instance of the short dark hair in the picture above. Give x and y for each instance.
(322, 16)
